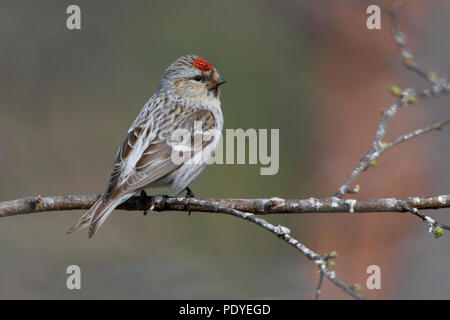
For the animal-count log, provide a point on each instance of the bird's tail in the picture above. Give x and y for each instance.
(96, 215)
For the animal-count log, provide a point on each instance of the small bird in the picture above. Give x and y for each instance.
(154, 153)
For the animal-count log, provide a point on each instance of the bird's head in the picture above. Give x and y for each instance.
(192, 77)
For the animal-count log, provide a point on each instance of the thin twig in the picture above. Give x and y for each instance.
(377, 146)
(283, 233)
(408, 58)
(416, 133)
(439, 87)
(319, 285)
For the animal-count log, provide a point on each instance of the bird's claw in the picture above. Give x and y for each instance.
(189, 194)
(144, 200)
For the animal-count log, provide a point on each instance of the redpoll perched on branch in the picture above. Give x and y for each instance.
(185, 105)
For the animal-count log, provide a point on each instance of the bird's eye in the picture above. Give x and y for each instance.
(198, 78)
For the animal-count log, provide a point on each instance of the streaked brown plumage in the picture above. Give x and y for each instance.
(187, 94)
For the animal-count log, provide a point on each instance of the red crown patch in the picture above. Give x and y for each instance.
(202, 65)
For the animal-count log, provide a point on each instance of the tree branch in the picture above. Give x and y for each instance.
(163, 203)
(246, 209)
(255, 206)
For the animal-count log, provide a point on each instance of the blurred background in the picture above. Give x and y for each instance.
(310, 68)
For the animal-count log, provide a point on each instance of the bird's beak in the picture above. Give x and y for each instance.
(219, 81)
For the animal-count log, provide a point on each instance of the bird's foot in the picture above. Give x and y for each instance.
(189, 194)
(144, 201)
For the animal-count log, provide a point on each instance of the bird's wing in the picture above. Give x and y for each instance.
(145, 156)
(154, 159)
